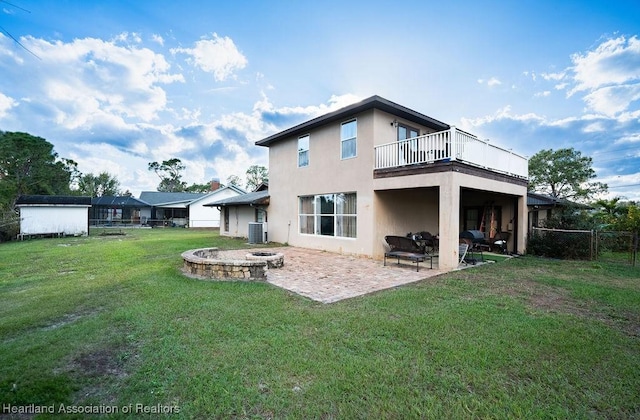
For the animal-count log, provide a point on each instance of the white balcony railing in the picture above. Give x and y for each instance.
(452, 145)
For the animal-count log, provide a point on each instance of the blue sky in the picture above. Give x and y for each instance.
(118, 84)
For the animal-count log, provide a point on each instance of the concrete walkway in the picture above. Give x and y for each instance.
(328, 277)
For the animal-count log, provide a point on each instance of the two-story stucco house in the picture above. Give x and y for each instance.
(342, 181)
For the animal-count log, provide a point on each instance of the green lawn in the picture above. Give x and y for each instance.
(109, 322)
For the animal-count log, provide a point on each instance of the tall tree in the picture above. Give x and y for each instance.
(256, 175)
(28, 165)
(198, 188)
(233, 180)
(103, 184)
(170, 173)
(564, 173)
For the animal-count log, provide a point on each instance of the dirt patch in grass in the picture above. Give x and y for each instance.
(69, 319)
(98, 372)
(549, 299)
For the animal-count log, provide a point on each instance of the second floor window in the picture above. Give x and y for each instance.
(348, 139)
(303, 151)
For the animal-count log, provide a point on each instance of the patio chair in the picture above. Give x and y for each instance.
(462, 252)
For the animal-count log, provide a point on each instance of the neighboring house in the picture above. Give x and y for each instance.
(238, 212)
(185, 209)
(343, 181)
(540, 207)
(53, 215)
(200, 215)
(116, 210)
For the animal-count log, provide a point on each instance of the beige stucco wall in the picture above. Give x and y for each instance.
(382, 207)
(326, 174)
(239, 218)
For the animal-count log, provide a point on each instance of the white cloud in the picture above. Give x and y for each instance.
(218, 55)
(158, 39)
(501, 114)
(494, 82)
(491, 82)
(6, 103)
(609, 74)
(613, 100)
(553, 76)
(542, 94)
(615, 61)
(90, 81)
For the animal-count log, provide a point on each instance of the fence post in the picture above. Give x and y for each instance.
(634, 254)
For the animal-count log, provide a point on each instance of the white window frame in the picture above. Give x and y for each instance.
(301, 151)
(354, 139)
(316, 217)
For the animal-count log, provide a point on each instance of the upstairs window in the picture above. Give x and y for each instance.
(303, 151)
(348, 139)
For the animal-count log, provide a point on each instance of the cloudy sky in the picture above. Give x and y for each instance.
(116, 84)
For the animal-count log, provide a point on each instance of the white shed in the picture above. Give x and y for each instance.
(53, 215)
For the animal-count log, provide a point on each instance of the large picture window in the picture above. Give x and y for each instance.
(329, 215)
(348, 139)
(303, 151)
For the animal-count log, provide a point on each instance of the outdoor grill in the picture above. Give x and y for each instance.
(476, 236)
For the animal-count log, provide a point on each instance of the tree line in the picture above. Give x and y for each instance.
(568, 175)
(30, 166)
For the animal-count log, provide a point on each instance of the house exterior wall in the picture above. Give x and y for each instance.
(327, 173)
(208, 217)
(542, 215)
(239, 219)
(53, 219)
(391, 205)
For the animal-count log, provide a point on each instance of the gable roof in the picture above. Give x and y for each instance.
(158, 198)
(253, 198)
(535, 199)
(212, 194)
(25, 200)
(372, 102)
(118, 201)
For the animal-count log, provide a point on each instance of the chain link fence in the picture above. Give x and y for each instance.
(584, 245)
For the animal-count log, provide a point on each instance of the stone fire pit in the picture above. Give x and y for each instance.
(213, 264)
(273, 259)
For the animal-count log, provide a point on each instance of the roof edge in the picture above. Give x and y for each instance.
(371, 102)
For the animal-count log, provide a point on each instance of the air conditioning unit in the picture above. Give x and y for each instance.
(257, 233)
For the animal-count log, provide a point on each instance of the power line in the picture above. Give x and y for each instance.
(11, 36)
(624, 186)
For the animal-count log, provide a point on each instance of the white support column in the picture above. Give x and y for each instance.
(452, 141)
(449, 223)
(522, 223)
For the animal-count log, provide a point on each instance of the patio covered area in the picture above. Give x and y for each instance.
(413, 210)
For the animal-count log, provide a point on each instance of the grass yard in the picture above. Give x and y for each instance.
(109, 323)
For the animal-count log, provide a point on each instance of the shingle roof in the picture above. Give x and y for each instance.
(364, 105)
(534, 199)
(156, 198)
(118, 201)
(53, 199)
(258, 197)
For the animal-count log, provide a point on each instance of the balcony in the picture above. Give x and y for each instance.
(448, 146)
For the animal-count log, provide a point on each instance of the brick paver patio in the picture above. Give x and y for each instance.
(329, 277)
